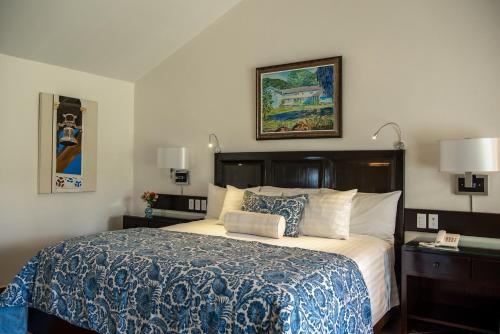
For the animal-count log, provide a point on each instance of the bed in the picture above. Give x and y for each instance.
(376, 261)
(374, 257)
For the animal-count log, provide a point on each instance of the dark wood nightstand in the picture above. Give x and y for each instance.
(156, 222)
(459, 290)
(178, 209)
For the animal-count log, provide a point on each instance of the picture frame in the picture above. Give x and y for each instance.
(299, 100)
(67, 144)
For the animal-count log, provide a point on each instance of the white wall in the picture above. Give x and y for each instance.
(433, 66)
(29, 221)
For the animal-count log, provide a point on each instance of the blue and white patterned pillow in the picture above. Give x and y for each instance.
(291, 208)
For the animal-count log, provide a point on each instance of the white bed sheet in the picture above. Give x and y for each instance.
(374, 256)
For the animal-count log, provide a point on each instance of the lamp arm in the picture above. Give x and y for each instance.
(400, 144)
(213, 136)
(395, 127)
(398, 130)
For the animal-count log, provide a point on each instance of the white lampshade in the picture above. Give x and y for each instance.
(173, 157)
(469, 155)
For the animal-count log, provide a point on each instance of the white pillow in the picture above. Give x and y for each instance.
(375, 214)
(271, 191)
(299, 191)
(234, 199)
(278, 191)
(215, 201)
(328, 215)
(262, 224)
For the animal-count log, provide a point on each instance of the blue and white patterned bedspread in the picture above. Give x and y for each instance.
(156, 281)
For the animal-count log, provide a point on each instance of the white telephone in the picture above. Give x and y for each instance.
(444, 240)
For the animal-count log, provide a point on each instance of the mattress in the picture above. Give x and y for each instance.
(374, 257)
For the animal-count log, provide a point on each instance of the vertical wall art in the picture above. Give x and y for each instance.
(67, 145)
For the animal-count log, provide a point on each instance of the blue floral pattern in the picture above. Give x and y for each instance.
(291, 208)
(155, 281)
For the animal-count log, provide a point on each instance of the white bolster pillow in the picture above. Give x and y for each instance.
(262, 224)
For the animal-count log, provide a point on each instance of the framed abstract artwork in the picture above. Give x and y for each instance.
(300, 100)
(67, 144)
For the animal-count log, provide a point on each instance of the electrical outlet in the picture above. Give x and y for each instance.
(433, 221)
(421, 220)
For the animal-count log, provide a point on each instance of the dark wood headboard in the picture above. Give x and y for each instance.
(367, 171)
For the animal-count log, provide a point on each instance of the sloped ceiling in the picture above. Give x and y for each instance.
(121, 39)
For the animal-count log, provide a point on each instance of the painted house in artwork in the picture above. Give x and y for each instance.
(296, 96)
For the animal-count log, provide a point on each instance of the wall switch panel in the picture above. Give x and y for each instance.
(421, 220)
(433, 221)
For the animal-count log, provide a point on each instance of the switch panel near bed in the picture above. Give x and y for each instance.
(476, 224)
(187, 203)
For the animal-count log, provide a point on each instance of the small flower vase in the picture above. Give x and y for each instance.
(148, 212)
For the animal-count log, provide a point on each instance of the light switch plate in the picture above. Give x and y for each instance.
(421, 220)
(433, 221)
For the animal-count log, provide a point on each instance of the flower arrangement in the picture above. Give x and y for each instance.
(149, 197)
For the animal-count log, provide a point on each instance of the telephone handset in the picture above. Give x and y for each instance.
(443, 239)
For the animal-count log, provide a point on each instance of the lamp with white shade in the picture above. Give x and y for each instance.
(177, 160)
(469, 157)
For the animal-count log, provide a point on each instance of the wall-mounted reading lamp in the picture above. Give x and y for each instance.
(213, 143)
(175, 158)
(399, 145)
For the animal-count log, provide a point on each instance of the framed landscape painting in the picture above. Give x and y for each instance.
(300, 100)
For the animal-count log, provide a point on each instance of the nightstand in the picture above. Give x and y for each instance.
(458, 290)
(170, 210)
(156, 222)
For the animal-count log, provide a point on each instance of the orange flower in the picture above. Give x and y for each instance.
(150, 197)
